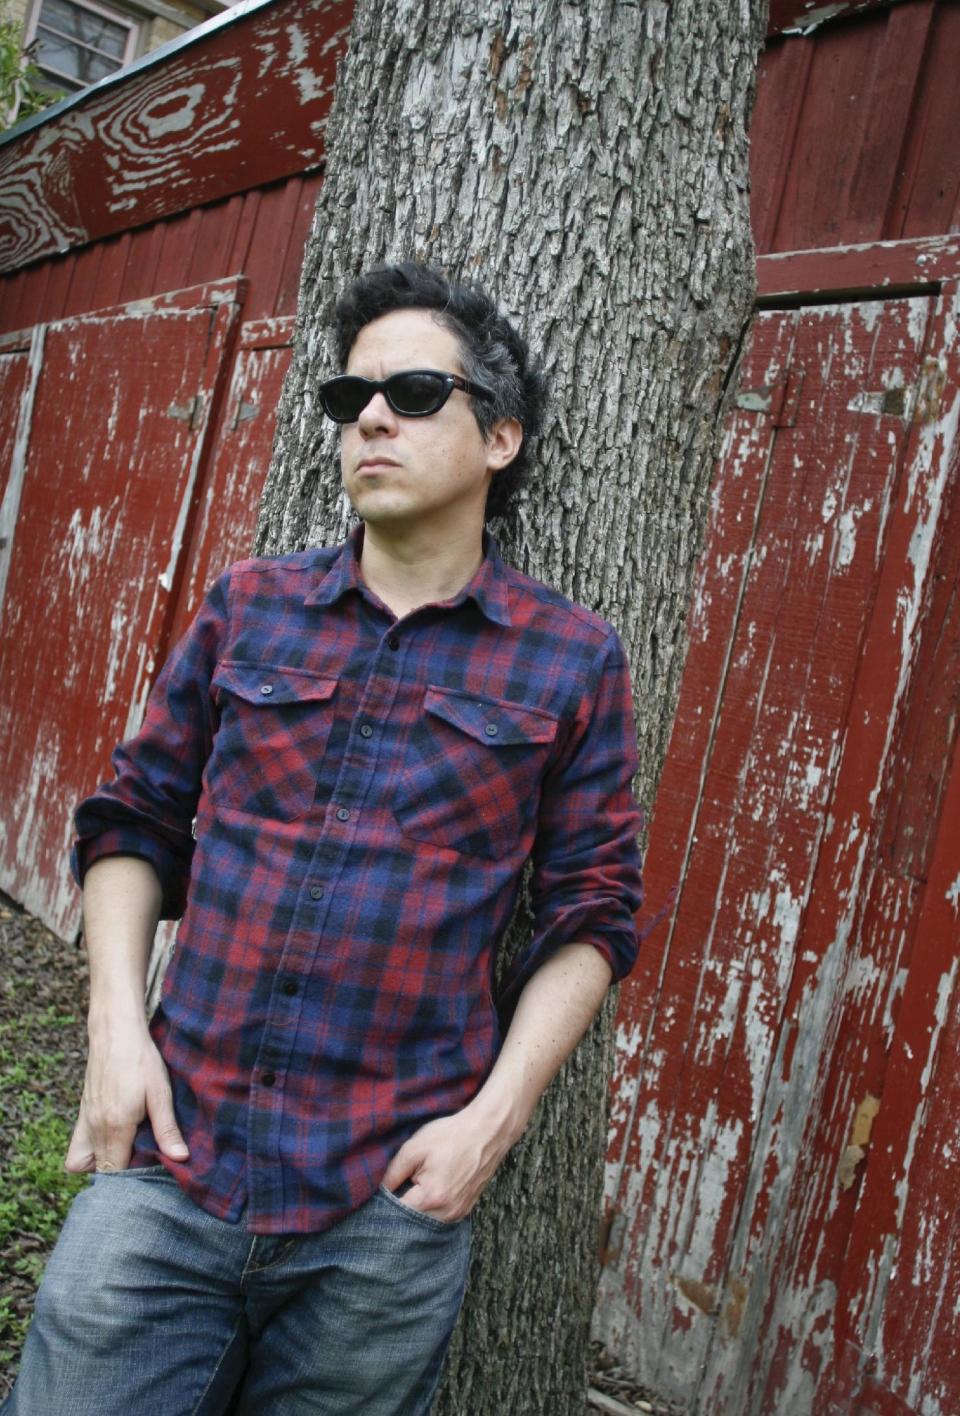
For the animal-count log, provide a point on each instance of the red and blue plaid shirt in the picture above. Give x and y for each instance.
(366, 793)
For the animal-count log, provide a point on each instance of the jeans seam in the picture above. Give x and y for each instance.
(280, 1258)
(210, 1379)
(246, 1268)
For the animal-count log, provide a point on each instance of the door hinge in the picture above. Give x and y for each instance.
(780, 398)
(919, 403)
(190, 413)
(881, 402)
(243, 413)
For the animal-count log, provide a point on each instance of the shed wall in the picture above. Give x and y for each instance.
(259, 234)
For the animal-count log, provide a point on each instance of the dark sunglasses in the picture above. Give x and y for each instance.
(413, 393)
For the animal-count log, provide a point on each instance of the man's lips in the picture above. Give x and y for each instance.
(375, 464)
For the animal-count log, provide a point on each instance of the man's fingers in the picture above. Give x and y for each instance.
(401, 1167)
(115, 1151)
(414, 1197)
(106, 1148)
(80, 1157)
(165, 1129)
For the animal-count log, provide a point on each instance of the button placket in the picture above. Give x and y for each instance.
(376, 701)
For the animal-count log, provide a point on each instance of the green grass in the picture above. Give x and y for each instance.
(35, 1178)
(36, 1189)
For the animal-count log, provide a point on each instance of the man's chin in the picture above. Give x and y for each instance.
(376, 511)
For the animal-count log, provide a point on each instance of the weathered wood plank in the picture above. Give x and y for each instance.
(227, 513)
(899, 1291)
(873, 266)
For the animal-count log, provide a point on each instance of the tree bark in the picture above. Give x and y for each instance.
(589, 165)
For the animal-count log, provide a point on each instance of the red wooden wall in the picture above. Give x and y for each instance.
(785, 1092)
(803, 811)
(854, 132)
(109, 553)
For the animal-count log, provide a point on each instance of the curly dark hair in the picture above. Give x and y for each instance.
(493, 353)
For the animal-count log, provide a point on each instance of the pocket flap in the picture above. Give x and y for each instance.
(493, 721)
(266, 685)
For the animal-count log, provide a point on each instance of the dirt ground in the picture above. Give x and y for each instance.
(43, 1004)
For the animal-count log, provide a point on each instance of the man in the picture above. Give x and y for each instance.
(372, 739)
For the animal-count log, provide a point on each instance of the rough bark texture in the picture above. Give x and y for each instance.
(589, 164)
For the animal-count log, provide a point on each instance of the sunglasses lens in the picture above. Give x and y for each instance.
(345, 398)
(416, 394)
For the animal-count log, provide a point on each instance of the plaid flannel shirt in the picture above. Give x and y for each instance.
(366, 792)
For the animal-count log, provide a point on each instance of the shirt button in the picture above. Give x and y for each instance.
(267, 1079)
(393, 642)
(343, 814)
(289, 987)
(366, 730)
(266, 689)
(316, 892)
(491, 730)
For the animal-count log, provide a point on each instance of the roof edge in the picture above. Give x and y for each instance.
(139, 66)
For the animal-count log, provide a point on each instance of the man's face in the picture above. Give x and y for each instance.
(400, 471)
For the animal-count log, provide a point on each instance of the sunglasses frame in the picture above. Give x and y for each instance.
(448, 383)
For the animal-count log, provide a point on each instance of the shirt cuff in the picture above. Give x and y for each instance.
(618, 943)
(131, 841)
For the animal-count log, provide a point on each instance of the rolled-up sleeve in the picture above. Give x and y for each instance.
(149, 807)
(586, 882)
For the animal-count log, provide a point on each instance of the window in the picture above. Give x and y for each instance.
(76, 42)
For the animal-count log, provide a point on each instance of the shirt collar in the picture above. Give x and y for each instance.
(488, 587)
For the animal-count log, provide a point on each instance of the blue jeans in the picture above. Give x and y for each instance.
(149, 1304)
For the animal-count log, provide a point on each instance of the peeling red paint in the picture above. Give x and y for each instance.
(805, 644)
(107, 489)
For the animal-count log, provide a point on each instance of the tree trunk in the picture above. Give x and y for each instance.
(589, 165)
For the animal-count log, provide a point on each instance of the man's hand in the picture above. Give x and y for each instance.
(450, 1161)
(126, 1080)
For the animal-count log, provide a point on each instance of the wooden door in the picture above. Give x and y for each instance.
(109, 465)
(801, 649)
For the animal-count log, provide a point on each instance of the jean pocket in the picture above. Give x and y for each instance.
(274, 727)
(471, 778)
(429, 1220)
(139, 1172)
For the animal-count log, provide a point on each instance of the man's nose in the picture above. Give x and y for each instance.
(377, 415)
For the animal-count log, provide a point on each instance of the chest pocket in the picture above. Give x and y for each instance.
(274, 726)
(471, 781)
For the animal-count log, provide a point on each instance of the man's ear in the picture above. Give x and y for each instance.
(503, 443)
